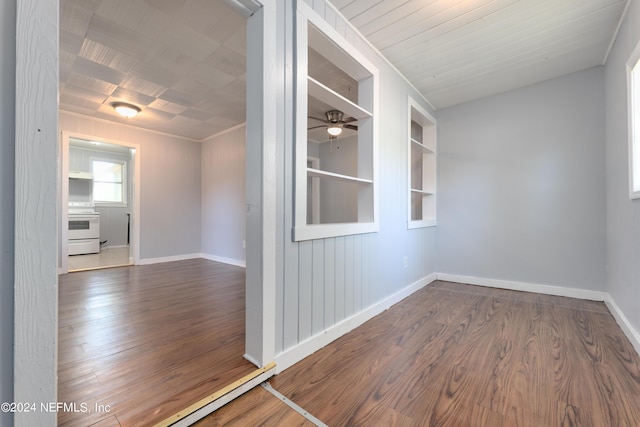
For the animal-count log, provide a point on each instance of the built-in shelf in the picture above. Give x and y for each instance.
(421, 146)
(331, 74)
(421, 156)
(336, 176)
(337, 101)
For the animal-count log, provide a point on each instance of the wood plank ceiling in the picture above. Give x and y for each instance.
(455, 51)
(183, 61)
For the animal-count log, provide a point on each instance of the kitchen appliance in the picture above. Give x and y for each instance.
(84, 228)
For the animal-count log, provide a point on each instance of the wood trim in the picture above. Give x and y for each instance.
(523, 286)
(307, 347)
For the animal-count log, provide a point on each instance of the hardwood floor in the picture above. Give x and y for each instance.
(148, 341)
(257, 407)
(459, 355)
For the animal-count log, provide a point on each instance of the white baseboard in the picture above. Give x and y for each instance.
(168, 259)
(523, 286)
(312, 344)
(623, 322)
(231, 261)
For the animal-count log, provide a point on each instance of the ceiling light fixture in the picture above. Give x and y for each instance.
(125, 110)
(334, 129)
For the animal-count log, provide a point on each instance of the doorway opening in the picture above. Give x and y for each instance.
(100, 186)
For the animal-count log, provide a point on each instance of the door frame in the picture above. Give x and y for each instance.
(134, 245)
(37, 171)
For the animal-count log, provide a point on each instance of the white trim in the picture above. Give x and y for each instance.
(224, 260)
(523, 286)
(135, 161)
(633, 128)
(309, 346)
(147, 261)
(251, 359)
(312, 30)
(615, 32)
(626, 326)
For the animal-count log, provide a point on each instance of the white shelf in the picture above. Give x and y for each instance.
(424, 193)
(336, 176)
(333, 98)
(421, 146)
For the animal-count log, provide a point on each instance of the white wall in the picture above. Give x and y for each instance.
(623, 215)
(169, 187)
(521, 191)
(7, 205)
(322, 283)
(223, 196)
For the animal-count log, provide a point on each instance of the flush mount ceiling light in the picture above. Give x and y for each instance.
(125, 110)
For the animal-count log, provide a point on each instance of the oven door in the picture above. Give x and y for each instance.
(84, 226)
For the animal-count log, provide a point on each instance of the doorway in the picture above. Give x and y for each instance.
(100, 185)
(35, 354)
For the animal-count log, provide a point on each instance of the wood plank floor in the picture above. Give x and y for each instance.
(257, 407)
(459, 355)
(149, 340)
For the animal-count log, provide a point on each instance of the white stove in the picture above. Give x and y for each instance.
(84, 228)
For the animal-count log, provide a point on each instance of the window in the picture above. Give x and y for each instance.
(336, 138)
(421, 153)
(109, 182)
(633, 67)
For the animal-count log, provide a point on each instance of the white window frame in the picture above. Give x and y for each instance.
(358, 66)
(633, 96)
(125, 181)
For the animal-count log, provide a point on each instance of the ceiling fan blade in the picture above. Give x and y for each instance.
(317, 118)
(317, 127)
(352, 127)
(349, 120)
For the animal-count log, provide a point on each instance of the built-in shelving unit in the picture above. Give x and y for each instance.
(421, 153)
(337, 194)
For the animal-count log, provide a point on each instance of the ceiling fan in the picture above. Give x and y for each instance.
(334, 123)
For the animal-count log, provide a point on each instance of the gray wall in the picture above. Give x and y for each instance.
(521, 191)
(623, 214)
(339, 200)
(7, 184)
(223, 195)
(169, 185)
(325, 281)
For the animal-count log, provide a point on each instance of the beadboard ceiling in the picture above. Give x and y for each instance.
(181, 61)
(455, 51)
